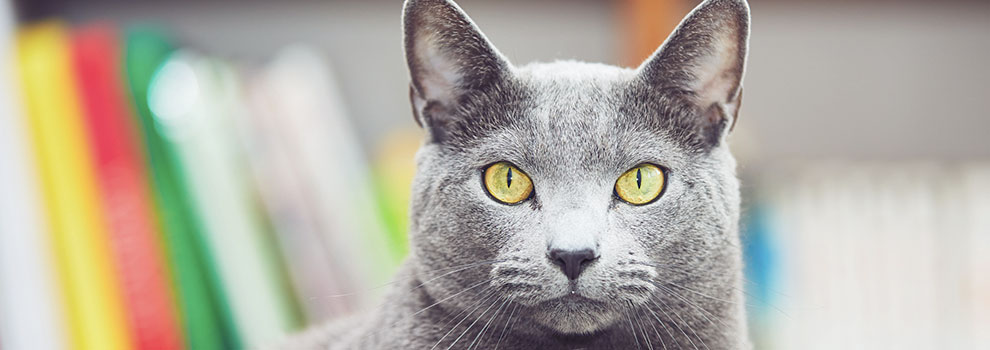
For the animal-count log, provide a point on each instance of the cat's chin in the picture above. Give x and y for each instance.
(575, 314)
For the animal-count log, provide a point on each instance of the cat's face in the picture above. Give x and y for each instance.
(574, 252)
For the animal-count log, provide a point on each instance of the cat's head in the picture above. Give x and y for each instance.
(622, 176)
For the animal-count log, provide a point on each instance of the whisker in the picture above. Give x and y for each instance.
(456, 269)
(744, 302)
(655, 330)
(459, 269)
(473, 323)
(696, 292)
(506, 325)
(665, 329)
(685, 323)
(483, 329)
(743, 290)
(631, 328)
(681, 270)
(467, 313)
(449, 297)
(642, 329)
(393, 324)
(747, 304)
(704, 312)
(676, 325)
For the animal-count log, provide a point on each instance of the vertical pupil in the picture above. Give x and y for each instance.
(508, 178)
(639, 178)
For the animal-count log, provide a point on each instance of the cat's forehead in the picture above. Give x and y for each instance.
(577, 72)
(572, 118)
(571, 104)
(572, 85)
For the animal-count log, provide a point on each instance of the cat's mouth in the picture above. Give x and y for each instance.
(575, 313)
(576, 293)
(574, 296)
(573, 300)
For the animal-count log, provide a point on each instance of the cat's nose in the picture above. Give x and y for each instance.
(572, 262)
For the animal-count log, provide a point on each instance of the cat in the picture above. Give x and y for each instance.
(622, 230)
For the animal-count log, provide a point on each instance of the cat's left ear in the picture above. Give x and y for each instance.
(705, 58)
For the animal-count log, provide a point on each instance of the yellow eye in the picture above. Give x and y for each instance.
(641, 184)
(507, 183)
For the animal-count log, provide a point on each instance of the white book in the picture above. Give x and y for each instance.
(323, 286)
(883, 256)
(326, 158)
(30, 316)
(976, 281)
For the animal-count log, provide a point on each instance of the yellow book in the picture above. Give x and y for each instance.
(93, 303)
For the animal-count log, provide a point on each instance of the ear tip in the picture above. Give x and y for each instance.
(412, 8)
(423, 6)
(741, 4)
(417, 14)
(738, 7)
(736, 11)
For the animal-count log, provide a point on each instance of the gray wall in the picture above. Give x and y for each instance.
(871, 81)
(862, 80)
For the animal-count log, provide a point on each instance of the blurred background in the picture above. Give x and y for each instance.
(217, 174)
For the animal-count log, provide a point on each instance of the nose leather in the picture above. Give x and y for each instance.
(572, 262)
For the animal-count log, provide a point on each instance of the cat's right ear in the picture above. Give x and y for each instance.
(449, 59)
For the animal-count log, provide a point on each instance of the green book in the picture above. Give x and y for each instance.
(195, 100)
(206, 316)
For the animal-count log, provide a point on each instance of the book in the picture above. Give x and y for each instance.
(30, 316)
(317, 281)
(307, 114)
(193, 99)
(90, 288)
(124, 189)
(205, 314)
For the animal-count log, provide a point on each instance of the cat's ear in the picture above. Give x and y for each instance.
(704, 59)
(449, 59)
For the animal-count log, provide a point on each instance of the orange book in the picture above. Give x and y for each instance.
(125, 190)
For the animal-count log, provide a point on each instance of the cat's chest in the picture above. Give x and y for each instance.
(506, 335)
(515, 341)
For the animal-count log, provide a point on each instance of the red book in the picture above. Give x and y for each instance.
(125, 190)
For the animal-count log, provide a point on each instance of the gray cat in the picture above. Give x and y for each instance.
(622, 229)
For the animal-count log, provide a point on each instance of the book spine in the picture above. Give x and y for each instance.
(125, 190)
(92, 297)
(205, 315)
(313, 119)
(200, 131)
(28, 317)
(318, 286)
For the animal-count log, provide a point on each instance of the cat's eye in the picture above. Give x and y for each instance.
(640, 185)
(507, 184)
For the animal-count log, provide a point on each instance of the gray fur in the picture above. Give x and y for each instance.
(668, 273)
